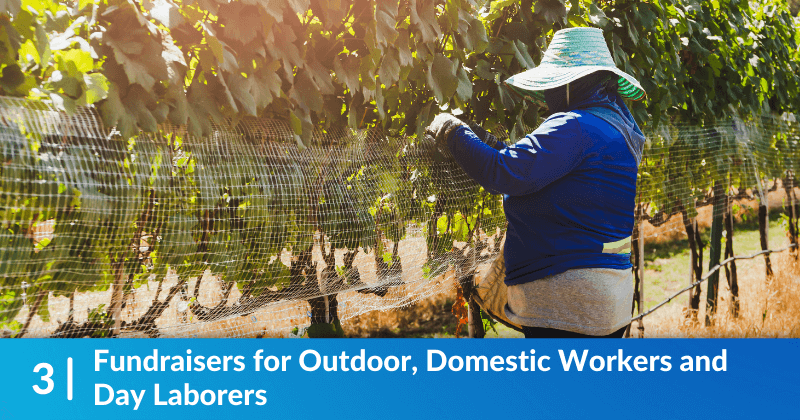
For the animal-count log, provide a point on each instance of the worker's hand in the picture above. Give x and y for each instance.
(482, 134)
(441, 128)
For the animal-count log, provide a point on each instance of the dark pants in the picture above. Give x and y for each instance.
(538, 332)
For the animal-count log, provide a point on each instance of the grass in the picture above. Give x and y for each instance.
(667, 263)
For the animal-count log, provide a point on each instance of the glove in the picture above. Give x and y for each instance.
(441, 128)
(484, 135)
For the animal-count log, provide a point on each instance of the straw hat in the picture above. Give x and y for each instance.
(572, 54)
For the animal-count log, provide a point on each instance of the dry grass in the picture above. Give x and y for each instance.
(768, 308)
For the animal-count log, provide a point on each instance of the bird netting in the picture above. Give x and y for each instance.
(243, 233)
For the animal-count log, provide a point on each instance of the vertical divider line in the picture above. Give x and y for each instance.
(69, 379)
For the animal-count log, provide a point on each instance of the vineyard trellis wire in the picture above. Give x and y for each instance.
(706, 276)
(243, 233)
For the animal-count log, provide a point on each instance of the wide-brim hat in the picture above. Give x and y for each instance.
(572, 54)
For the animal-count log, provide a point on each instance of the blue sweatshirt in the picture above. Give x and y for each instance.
(568, 188)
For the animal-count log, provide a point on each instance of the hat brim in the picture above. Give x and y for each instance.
(530, 84)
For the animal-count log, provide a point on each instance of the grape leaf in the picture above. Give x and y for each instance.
(464, 89)
(242, 22)
(306, 92)
(597, 16)
(442, 78)
(166, 13)
(10, 6)
(385, 16)
(477, 36)
(389, 71)
(346, 68)
(423, 17)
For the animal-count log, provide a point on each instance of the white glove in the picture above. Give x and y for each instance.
(441, 128)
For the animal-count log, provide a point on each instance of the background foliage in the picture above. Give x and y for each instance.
(365, 62)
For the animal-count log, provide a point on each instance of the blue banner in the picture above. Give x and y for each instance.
(399, 378)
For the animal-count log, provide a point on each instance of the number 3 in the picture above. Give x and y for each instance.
(45, 378)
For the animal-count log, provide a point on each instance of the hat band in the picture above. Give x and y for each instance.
(577, 58)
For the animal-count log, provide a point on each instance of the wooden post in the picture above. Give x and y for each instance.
(788, 187)
(698, 271)
(641, 278)
(715, 249)
(696, 262)
(33, 310)
(730, 269)
(115, 306)
(474, 319)
(635, 264)
(474, 322)
(763, 230)
(692, 262)
(637, 260)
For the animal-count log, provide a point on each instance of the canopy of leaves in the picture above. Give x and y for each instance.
(366, 62)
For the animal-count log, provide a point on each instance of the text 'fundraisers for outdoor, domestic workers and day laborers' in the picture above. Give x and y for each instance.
(433, 361)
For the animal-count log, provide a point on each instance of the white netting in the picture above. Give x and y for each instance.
(243, 234)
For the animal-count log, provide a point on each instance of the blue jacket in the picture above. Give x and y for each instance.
(568, 188)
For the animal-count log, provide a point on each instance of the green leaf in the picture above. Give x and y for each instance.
(141, 61)
(115, 115)
(441, 225)
(81, 60)
(442, 78)
(242, 22)
(346, 68)
(484, 70)
(576, 21)
(213, 43)
(296, 124)
(10, 6)
(23, 22)
(423, 16)
(551, 10)
(11, 78)
(166, 13)
(43, 44)
(464, 89)
(9, 43)
(389, 71)
(389, 183)
(298, 6)
(597, 16)
(379, 103)
(306, 92)
(715, 63)
(403, 49)
(96, 87)
(84, 3)
(385, 16)
(505, 98)
(321, 75)
(521, 52)
(477, 36)
(240, 88)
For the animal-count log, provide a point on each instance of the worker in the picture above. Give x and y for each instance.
(568, 189)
